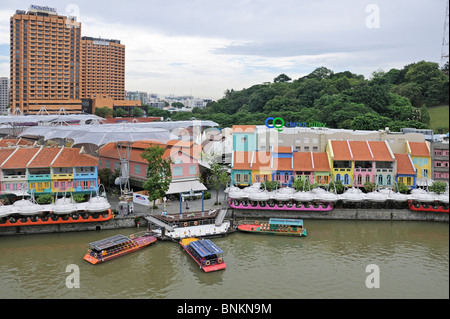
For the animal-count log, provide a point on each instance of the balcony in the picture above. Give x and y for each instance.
(14, 178)
(85, 175)
(39, 177)
(14, 175)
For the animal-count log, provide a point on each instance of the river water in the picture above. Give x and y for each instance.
(412, 260)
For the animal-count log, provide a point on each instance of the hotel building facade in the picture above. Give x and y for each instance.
(54, 67)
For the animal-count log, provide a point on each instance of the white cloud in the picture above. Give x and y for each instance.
(204, 47)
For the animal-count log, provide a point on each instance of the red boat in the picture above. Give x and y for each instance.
(424, 207)
(116, 246)
(55, 219)
(207, 255)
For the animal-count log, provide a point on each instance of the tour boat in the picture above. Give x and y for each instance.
(273, 204)
(275, 226)
(424, 201)
(26, 212)
(117, 246)
(207, 255)
(189, 224)
(285, 198)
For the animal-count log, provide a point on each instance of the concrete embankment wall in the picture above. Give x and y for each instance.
(115, 223)
(346, 214)
(336, 214)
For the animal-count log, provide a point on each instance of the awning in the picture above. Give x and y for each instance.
(185, 186)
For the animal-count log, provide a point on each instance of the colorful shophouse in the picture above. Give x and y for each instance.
(358, 162)
(406, 173)
(47, 170)
(421, 158)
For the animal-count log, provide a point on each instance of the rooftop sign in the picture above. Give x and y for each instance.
(100, 42)
(44, 9)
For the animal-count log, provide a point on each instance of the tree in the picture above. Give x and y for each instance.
(119, 112)
(104, 112)
(159, 174)
(137, 112)
(370, 122)
(282, 78)
(438, 187)
(217, 177)
(44, 199)
(270, 185)
(369, 186)
(424, 115)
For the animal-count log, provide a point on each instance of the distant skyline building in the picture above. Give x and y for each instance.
(4, 95)
(52, 66)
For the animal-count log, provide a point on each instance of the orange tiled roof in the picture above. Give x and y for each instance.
(20, 158)
(242, 160)
(282, 164)
(45, 157)
(109, 151)
(180, 143)
(321, 163)
(419, 149)
(71, 157)
(380, 151)
(282, 149)
(261, 160)
(361, 151)
(341, 151)
(404, 165)
(145, 144)
(5, 142)
(303, 161)
(4, 154)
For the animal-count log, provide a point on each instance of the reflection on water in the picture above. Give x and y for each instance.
(413, 258)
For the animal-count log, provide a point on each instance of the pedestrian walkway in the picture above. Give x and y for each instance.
(174, 206)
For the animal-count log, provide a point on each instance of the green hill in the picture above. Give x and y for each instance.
(439, 118)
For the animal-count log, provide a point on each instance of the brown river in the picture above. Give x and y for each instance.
(338, 259)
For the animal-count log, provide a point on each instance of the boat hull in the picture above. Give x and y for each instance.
(142, 242)
(425, 207)
(257, 229)
(322, 207)
(49, 221)
(210, 268)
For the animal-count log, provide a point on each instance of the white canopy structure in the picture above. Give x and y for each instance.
(99, 134)
(32, 120)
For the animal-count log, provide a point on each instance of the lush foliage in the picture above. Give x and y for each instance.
(216, 178)
(45, 199)
(401, 188)
(341, 100)
(270, 185)
(159, 174)
(303, 185)
(438, 187)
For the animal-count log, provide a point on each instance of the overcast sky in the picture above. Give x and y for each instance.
(204, 47)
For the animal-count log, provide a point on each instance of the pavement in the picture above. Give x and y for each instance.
(174, 205)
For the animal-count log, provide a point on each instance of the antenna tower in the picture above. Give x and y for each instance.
(444, 54)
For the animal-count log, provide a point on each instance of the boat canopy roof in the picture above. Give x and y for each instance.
(205, 248)
(289, 222)
(109, 242)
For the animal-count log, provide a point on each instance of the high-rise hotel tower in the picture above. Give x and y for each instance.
(53, 67)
